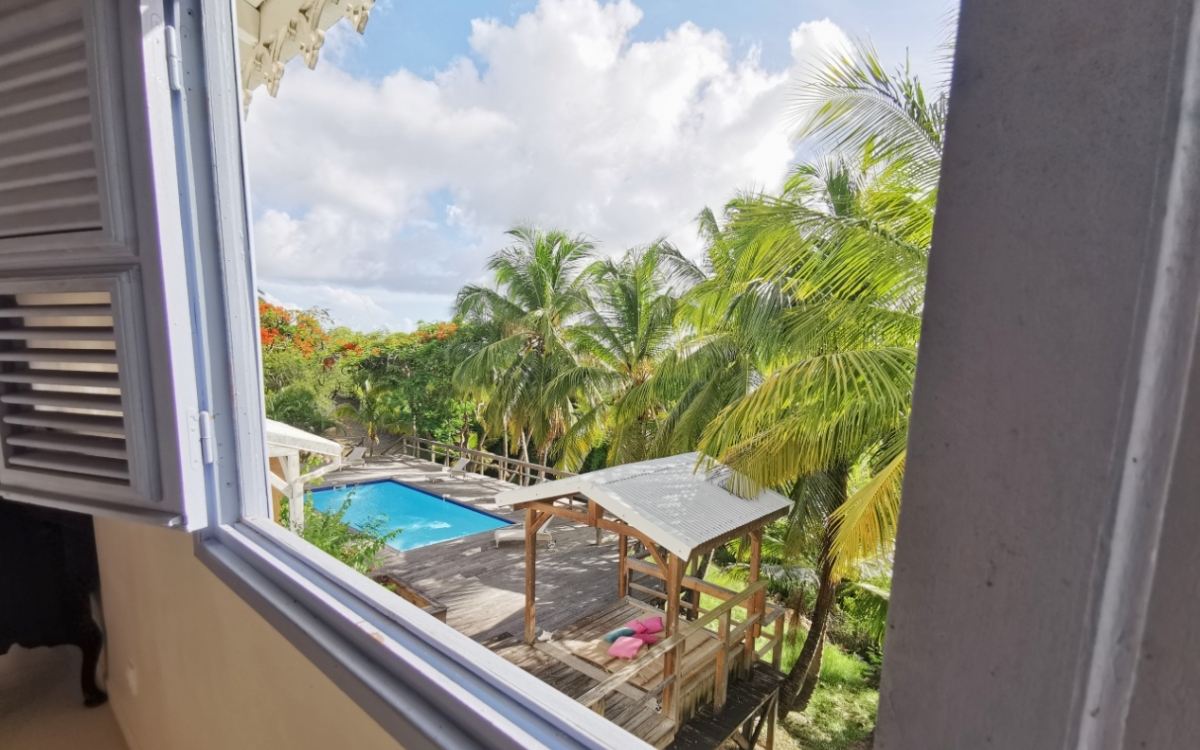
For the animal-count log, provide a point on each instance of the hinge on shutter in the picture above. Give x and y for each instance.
(174, 59)
(207, 444)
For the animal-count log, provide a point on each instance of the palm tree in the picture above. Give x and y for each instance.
(376, 409)
(536, 293)
(625, 328)
(839, 258)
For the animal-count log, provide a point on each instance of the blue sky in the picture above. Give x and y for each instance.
(424, 36)
(382, 180)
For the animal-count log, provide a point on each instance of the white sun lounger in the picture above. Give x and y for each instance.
(516, 533)
(457, 469)
(355, 458)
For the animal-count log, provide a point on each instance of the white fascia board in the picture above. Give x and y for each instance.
(605, 498)
(285, 436)
(544, 491)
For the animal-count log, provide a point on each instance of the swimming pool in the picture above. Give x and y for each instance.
(425, 519)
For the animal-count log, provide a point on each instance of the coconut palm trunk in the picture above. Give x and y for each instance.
(802, 678)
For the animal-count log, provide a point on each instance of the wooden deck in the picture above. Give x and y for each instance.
(483, 588)
(574, 661)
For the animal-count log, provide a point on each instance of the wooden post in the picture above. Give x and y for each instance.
(774, 710)
(595, 513)
(530, 575)
(755, 605)
(777, 649)
(622, 568)
(720, 687)
(673, 659)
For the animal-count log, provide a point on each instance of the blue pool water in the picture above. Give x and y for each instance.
(425, 518)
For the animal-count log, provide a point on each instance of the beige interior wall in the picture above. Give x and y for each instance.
(192, 667)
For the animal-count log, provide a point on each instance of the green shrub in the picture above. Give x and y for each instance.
(299, 407)
(359, 548)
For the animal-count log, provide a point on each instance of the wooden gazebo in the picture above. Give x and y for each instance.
(667, 516)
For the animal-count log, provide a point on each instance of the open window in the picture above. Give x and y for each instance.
(98, 406)
(130, 384)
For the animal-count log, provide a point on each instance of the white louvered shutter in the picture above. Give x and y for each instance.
(97, 406)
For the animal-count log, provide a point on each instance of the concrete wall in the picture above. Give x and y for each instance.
(192, 667)
(1060, 144)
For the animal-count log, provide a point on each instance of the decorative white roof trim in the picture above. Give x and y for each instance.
(283, 439)
(272, 32)
(664, 498)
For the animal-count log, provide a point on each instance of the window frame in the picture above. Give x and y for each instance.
(425, 683)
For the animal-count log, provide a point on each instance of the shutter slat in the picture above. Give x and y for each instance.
(86, 465)
(94, 401)
(47, 204)
(55, 40)
(63, 378)
(43, 149)
(30, 72)
(49, 180)
(63, 116)
(67, 89)
(61, 402)
(57, 311)
(97, 333)
(76, 356)
(87, 423)
(87, 445)
(43, 177)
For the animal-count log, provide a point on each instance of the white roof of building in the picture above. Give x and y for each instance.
(666, 498)
(283, 439)
(272, 32)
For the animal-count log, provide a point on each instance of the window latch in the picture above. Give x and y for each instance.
(207, 440)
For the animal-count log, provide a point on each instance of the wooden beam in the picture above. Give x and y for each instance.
(604, 523)
(622, 566)
(662, 647)
(595, 513)
(692, 606)
(704, 587)
(670, 696)
(770, 741)
(754, 610)
(560, 652)
(740, 531)
(720, 687)
(530, 575)
(543, 518)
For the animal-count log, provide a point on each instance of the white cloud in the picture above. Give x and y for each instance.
(400, 189)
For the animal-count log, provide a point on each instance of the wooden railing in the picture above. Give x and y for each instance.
(772, 616)
(735, 648)
(481, 462)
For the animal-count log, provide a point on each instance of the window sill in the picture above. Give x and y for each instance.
(425, 683)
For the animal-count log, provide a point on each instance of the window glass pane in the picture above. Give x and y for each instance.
(590, 330)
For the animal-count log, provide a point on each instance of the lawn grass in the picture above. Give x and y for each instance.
(842, 711)
(843, 707)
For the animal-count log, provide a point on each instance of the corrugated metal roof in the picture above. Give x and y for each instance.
(665, 498)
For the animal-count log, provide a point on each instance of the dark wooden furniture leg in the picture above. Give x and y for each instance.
(48, 574)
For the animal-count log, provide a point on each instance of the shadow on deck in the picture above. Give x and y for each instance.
(482, 585)
(574, 662)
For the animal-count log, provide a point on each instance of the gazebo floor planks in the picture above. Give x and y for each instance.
(643, 721)
(706, 731)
